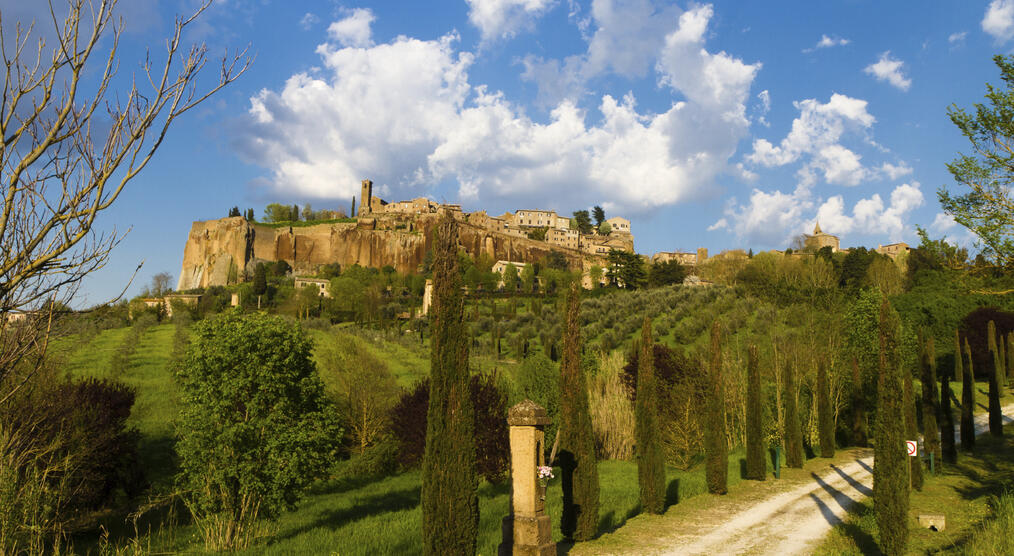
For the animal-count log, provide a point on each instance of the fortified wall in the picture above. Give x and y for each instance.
(218, 249)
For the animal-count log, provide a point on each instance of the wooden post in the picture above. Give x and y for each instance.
(527, 531)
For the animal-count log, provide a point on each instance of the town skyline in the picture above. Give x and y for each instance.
(714, 125)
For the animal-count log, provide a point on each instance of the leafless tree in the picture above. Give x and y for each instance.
(71, 143)
(160, 284)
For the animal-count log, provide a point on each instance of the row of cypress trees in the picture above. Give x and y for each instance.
(449, 491)
(450, 505)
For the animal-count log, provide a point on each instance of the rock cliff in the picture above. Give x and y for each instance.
(218, 249)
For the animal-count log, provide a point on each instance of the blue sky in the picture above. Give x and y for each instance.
(720, 125)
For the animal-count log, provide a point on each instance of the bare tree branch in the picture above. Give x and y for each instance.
(69, 148)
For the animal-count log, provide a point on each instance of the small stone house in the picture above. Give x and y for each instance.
(893, 249)
(619, 224)
(319, 283)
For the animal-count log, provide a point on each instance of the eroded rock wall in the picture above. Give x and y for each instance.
(216, 246)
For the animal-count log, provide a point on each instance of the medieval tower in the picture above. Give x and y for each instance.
(366, 199)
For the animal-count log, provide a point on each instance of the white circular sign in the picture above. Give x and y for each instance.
(912, 447)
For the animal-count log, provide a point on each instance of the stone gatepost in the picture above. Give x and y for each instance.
(527, 530)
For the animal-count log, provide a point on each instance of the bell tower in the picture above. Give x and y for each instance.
(366, 198)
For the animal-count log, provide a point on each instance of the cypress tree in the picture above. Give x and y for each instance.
(450, 505)
(911, 430)
(824, 417)
(715, 444)
(756, 465)
(967, 402)
(650, 464)
(1002, 345)
(890, 484)
(1010, 359)
(930, 429)
(859, 434)
(580, 477)
(995, 415)
(950, 454)
(793, 434)
(260, 280)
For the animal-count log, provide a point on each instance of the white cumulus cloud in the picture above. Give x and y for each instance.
(774, 218)
(353, 30)
(628, 36)
(406, 115)
(503, 19)
(889, 69)
(871, 216)
(815, 135)
(999, 20)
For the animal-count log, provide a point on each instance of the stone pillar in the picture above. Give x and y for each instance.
(527, 531)
(235, 300)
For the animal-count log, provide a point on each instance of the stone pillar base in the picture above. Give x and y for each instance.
(532, 536)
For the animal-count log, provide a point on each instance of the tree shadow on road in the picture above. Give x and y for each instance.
(865, 542)
(865, 490)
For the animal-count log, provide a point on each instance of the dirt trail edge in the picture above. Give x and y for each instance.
(791, 522)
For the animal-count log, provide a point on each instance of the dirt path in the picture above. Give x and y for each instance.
(769, 520)
(791, 522)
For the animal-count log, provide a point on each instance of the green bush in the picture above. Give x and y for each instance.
(255, 426)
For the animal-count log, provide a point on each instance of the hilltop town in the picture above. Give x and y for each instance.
(396, 234)
(393, 234)
(559, 231)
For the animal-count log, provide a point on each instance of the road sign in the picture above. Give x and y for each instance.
(912, 447)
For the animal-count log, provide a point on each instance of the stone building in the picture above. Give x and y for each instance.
(536, 218)
(820, 240)
(687, 259)
(568, 238)
(500, 266)
(420, 205)
(368, 204)
(318, 283)
(619, 224)
(893, 249)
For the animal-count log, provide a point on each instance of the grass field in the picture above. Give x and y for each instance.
(965, 493)
(382, 516)
(370, 516)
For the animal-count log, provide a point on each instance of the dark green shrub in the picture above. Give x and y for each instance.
(974, 328)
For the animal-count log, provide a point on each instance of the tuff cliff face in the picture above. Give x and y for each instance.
(216, 249)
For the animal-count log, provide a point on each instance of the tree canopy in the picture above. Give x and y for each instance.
(255, 426)
(583, 221)
(986, 206)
